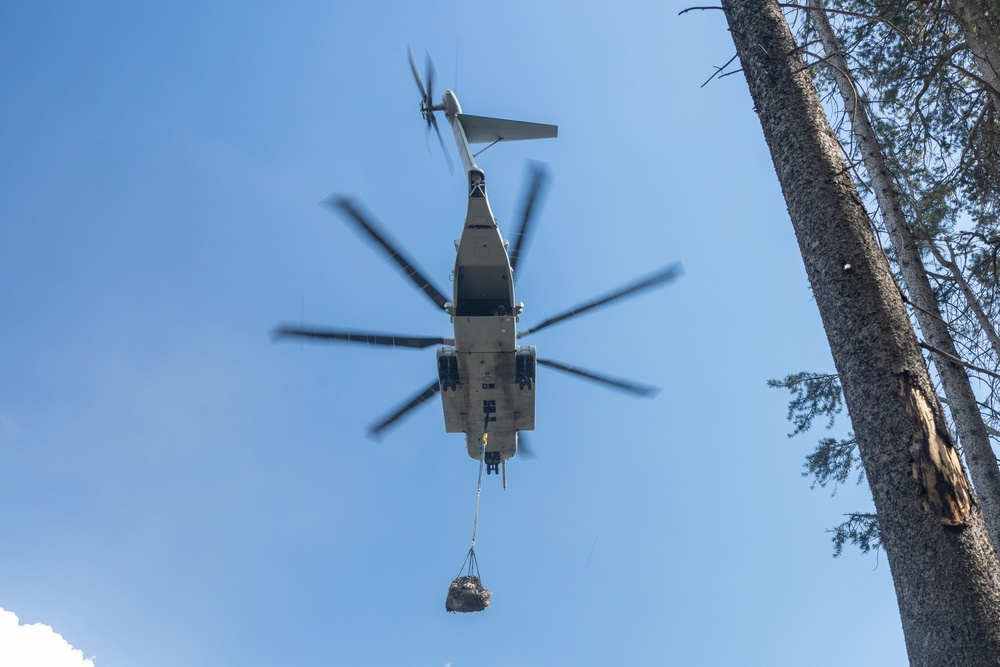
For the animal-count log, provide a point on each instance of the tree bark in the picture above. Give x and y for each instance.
(980, 21)
(950, 263)
(944, 567)
(969, 425)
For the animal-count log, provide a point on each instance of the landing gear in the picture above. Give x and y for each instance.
(492, 461)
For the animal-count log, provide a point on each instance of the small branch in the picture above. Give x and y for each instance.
(691, 9)
(972, 75)
(953, 358)
(939, 276)
(926, 312)
(866, 17)
(718, 71)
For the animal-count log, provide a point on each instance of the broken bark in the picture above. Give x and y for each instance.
(971, 429)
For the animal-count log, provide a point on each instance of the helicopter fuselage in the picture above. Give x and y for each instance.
(487, 381)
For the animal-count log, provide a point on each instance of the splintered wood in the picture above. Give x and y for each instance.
(467, 594)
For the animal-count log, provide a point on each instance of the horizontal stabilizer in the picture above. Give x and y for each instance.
(481, 129)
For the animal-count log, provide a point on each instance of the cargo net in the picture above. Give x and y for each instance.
(466, 592)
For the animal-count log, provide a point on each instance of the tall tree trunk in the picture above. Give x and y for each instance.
(980, 21)
(969, 425)
(944, 567)
(951, 263)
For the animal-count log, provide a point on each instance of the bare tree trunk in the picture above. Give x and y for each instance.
(971, 429)
(950, 263)
(944, 567)
(980, 21)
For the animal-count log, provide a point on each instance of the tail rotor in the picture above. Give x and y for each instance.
(427, 106)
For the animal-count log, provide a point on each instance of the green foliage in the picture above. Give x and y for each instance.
(820, 395)
(861, 529)
(813, 395)
(937, 121)
(833, 461)
(935, 117)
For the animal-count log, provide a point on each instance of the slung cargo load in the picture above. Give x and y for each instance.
(486, 380)
(467, 594)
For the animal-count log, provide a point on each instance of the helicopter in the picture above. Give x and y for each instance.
(486, 380)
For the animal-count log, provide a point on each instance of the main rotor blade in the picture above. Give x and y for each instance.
(366, 337)
(524, 447)
(539, 175)
(371, 229)
(375, 430)
(623, 385)
(660, 277)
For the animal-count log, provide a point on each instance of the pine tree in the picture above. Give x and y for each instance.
(945, 570)
(969, 425)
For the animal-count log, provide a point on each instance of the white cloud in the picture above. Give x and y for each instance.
(35, 645)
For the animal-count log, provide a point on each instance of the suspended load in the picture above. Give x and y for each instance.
(467, 594)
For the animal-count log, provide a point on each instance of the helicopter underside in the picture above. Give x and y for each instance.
(489, 389)
(486, 381)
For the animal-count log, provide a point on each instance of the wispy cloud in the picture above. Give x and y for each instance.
(36, 645)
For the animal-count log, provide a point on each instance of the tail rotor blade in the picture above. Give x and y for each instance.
(431, 75)
(427, 102)
(615, 383)
(376, 429)
(363, 337)
(424, 97)
(431, 118)
(368, 226)
(648, 282)
(539, 176)
(444, 151)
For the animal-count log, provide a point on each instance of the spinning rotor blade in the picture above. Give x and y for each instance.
(524, 447)
(431, 118)
(539, 175)
(366, 337)
(427, 102)
(372, 230)
(375, 430)
(425, 99)
(444, 151)
(666, 275)
(431, 75)
(623, 385)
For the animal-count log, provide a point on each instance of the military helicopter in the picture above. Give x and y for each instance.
(485, 379)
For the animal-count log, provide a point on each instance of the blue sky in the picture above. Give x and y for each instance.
(175, 489)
